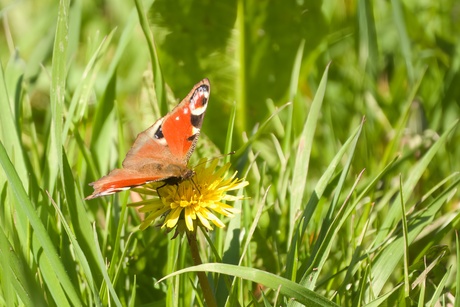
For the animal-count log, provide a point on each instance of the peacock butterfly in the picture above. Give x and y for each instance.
(161, 152)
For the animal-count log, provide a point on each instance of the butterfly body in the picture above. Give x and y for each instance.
(161, 152)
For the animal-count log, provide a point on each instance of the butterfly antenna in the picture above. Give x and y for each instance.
(217, 157)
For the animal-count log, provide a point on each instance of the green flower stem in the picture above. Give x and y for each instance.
(202, 278)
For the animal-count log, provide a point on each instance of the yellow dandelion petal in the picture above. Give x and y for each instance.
(156, 214)
(232, 197)
(225, 210)
(225, 206)
(144, 225)
(216, 221)
(173, 217)
(220, 172)
(210, 216)
(151, 207)
(184, 203)
(235, 185)
(195, 201)
(189, 216)
(213, 185)
(175, 205)
(204, 221)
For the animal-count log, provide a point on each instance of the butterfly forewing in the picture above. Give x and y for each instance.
(181, 126)
(161, 152)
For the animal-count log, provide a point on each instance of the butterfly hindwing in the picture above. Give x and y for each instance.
(161, 152)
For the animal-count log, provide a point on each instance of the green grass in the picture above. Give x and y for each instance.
(343, 117)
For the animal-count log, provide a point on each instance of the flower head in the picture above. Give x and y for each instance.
(192, 202)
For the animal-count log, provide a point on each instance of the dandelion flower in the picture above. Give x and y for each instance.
(192, 202)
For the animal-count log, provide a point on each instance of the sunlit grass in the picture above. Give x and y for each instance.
(349, 141)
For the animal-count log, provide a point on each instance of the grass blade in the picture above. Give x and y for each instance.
(368, 50)
(389, 258)
(20, 279)
(457, 275)
(25, 206)
(403, 38)
(85, 86)
(107, 280)
(405, 231)
(9, 131)
(325, 242)
(314, 199)
(57, 92)
(416, 173)
(287, 287)
(157, 74)
(439, 289)
(294, 84)
(241, 91)
(302, 160)
(80, 255)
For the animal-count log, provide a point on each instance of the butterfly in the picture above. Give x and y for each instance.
(161, 153)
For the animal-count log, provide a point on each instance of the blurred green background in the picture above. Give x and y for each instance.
(396, 63)
(379, 51)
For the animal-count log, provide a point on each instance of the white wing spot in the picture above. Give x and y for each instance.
(199, 110)
(177, 118)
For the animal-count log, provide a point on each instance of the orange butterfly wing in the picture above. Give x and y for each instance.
(161, 152)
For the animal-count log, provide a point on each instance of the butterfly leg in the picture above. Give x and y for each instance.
(158, 189)
(194, 184)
